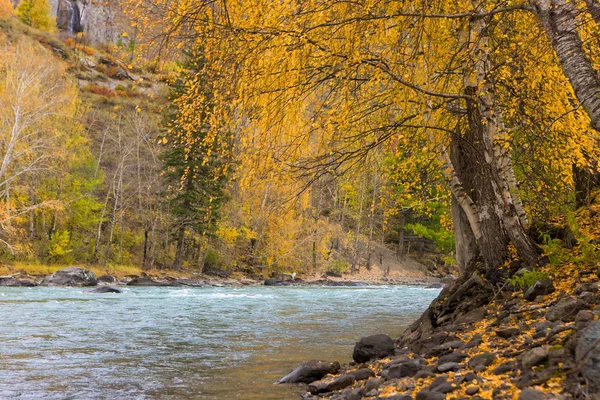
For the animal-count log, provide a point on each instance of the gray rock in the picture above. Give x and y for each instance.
(402, 370)
(104, 289)
(339, 383)
(587, 353)
(481, 360)
(532, 394)
(107, 279)
(311, 371)
(13, 282)
(507, 332)
(372, 384)
(362, 374)
(539, 288)
(427, 395)
(373, 347)
(535, 356)
(472, 390)
(71, 276)
(449, 366)
(503, 369)
(566, 310)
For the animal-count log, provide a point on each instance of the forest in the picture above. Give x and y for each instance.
(367, 143)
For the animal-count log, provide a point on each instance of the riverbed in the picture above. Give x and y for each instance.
(185, 343)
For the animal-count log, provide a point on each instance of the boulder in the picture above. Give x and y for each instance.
(402, 370)
(362, 374)
(71, 276)
(104, 289)
(338, 383)
(587, 354)
(483, 360)
(373, 347)
(311, 371)
(535, 356)
(566, 310)
(143, 281)
(532, 394)
(13, 282)
(507, 332)
(107, 279)
(539, 288)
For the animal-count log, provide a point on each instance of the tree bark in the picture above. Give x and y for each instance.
(559, 18)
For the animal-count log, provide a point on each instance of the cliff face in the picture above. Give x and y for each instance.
(101, 22)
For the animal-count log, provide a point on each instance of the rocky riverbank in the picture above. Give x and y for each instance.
(533, 344)
(81, 277)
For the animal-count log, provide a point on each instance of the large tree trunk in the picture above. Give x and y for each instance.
(559, 18)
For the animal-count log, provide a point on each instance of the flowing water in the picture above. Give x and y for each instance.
(181, 343)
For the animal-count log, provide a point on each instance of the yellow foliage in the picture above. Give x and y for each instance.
(6, 9)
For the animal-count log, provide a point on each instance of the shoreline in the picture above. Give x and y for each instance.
(80, 277)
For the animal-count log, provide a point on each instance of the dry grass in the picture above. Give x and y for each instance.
(43, 269)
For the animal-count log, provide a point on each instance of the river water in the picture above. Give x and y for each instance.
(182, 343)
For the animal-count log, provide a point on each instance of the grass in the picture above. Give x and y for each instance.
(44, 269)
(118, 271)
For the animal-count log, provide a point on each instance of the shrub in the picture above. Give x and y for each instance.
(528, 278)
(338, 266)
(100, 90)
(36, 13)
(212, 259)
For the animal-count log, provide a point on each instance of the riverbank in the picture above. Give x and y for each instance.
(76, 276)
(535, 344)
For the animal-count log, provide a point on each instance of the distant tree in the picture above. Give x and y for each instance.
(6, 9)
(195, 162)
(36, 13)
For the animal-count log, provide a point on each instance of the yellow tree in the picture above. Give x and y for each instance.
(348, 77)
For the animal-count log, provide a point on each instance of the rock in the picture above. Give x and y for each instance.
(373, 347)
(583, 318)
(402, 370)
(587, 353)
(586, 287)
(424, 374)
(362, 374)
(399, 397)
(535, 356)
(13, 282)
(445, 387)
(338, 383)
(107, 279)
(544, 326)
(503, 369)
(532, 394)
(147, 282)
(427, 395)
(104, 289)
(456, 357)
(539, 288)
(472, 390)
(71, 276)
(449, 366)
(216, 272)
(372, 384)
(276, 282)
(311, 371)
(349, 394)
(481, 360)
(507, 332)
(566, 310)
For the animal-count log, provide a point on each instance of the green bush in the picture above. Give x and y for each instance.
(339, 266)
(212, 259)
(528, 278)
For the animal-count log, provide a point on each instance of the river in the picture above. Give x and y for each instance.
(183, 343)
